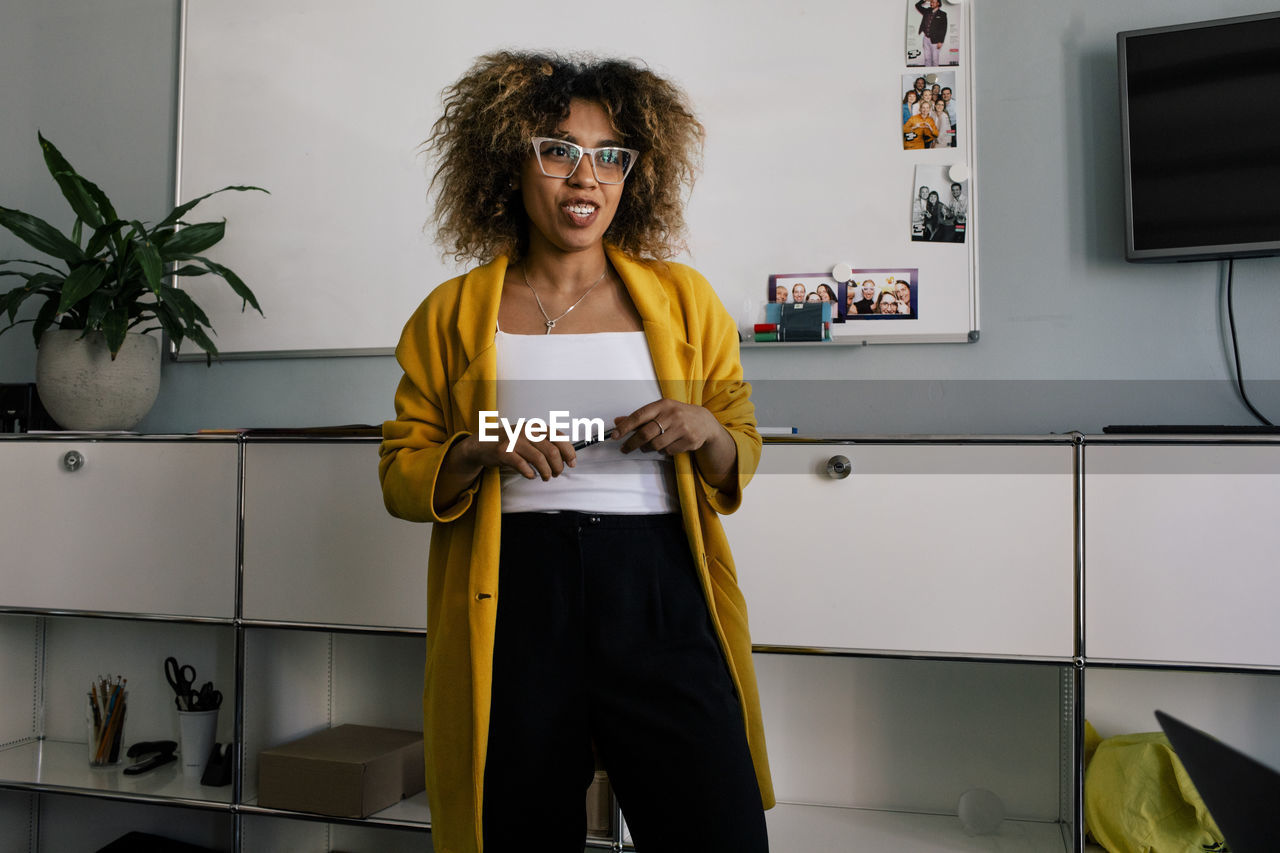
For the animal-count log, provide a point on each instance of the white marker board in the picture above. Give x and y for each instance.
(325, 103)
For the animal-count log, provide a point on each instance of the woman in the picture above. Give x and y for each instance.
(932, 216)
(943, 123)
(826, 294)
(919, 131)
(902, 290)
(908, 104)
(579, 599)
(885, 303)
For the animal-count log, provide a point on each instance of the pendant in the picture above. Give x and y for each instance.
(551, 324)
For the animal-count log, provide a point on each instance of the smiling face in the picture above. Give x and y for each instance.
(797, 292)
(903, 292)
(868, 289)
(572, 214)
(887, 304)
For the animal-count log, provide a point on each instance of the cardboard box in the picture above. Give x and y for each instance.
(346, 771)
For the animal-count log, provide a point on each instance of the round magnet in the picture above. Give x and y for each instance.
(958, 173)
(842, 272)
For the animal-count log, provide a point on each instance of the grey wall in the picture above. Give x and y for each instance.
(1072, 336)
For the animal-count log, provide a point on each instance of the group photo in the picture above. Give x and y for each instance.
(929, 110)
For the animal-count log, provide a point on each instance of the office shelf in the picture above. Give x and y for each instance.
(62, 767)
(920, 625)
(819, 828)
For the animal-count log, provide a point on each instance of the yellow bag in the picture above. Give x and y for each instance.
(1138, 798)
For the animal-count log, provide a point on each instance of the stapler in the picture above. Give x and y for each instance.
(158, 753)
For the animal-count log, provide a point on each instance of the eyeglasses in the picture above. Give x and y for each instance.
(559, 159)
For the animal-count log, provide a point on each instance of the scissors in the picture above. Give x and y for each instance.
(207, 699)
(180, 678)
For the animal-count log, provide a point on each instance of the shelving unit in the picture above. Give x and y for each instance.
(1181, 542)
(921, 625)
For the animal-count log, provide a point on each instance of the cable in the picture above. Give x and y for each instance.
(1235, 347)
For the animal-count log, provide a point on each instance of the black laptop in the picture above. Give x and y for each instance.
(1241, 793)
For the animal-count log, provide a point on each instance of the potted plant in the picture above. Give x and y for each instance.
(111, 288)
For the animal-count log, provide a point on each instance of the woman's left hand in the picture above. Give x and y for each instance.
(670, 427)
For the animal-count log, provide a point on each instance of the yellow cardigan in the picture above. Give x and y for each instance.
(447, 355)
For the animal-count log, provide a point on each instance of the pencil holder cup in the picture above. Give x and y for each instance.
(196, 733)
(105, 738)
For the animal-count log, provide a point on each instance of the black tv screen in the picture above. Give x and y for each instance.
(1201, 121)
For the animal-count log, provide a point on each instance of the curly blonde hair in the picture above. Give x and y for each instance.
(481, 141)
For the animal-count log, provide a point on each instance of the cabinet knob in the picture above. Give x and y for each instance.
(839, 467)
(73, 460)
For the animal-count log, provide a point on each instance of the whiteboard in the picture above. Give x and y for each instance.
(326, 103)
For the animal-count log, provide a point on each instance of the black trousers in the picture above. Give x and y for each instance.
(604, 639)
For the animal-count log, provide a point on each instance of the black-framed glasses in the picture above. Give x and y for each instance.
(559, 159)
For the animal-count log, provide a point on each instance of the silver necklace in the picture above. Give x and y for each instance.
(551, 324)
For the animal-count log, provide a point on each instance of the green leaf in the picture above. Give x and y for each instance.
(108, 233)
(178, 212)
(10, 302)
(33, 263)
(70, 183)
(171, 323)
(100, 199)
(186, 306)
(40, 235)
(14, 325)
(44, 320)
(81, 281)
(189, 269)
(99, 304)
(242, 290)
(77, 231)
(148, 258)
(115, 325)
(204, 342)
(192, 239)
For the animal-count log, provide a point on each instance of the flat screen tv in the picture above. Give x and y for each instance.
(1200, 110)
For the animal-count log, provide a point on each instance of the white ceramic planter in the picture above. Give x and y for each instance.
(82, 388)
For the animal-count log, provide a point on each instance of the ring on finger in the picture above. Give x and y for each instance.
(661, 429)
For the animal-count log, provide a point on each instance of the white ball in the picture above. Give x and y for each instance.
(981, 811)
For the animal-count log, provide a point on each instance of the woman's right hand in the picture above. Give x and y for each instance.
(531, 459)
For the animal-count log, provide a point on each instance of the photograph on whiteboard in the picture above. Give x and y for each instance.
(792, 288)
(933, 32)
(939, 206)
(880, 294)
(929, 109)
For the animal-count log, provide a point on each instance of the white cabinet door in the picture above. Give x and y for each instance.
(1182, 545)
(139, 527)
(319, 546)
(924, 548)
